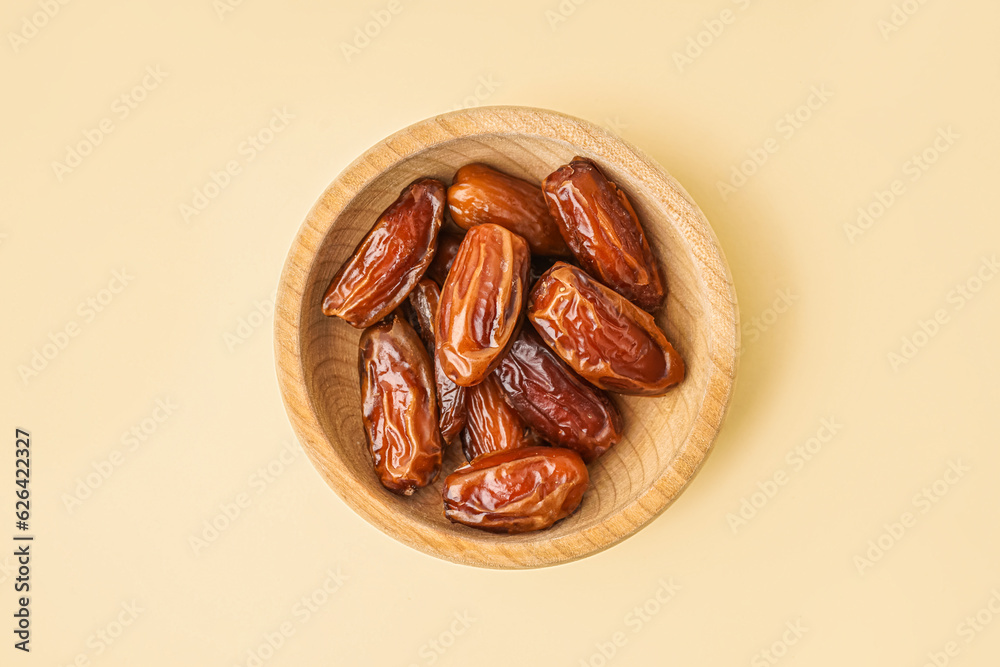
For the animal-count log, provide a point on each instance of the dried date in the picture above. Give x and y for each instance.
(391, 258)
(601, 228)
(424, 300)
(491, 424)
(516, 491)
(399, 408)
(481, 194)
(555, 401)
(604, 337)
(448, 244)
(481, 303)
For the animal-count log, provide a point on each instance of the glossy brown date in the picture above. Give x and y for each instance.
(516, 491)
(601, 228)
(555, 401)
(391, 258)
(448, 244)
(399, 408)
(481, 303)
(604, 337)
(491, 424)
(424, 301)
(481, 194)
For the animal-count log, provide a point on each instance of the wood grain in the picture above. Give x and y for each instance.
(666, 438)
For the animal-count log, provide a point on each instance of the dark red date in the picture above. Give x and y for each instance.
(491, 424)
(391, 258)
(424, 300)
(516, 491)
(448, 244)
(555, 401)
(399, 408)
(601, 228)
(482, 194)
(602, 336)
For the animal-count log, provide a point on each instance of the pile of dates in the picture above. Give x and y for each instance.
(506, 336)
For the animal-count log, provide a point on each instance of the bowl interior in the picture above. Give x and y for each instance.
(643, 473)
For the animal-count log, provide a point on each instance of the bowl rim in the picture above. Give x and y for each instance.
(707, 254)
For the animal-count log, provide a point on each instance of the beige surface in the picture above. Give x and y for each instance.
(829, 313)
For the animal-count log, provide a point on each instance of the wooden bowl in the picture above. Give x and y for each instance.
(666, 438)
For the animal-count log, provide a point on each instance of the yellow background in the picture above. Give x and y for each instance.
(823, 309)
